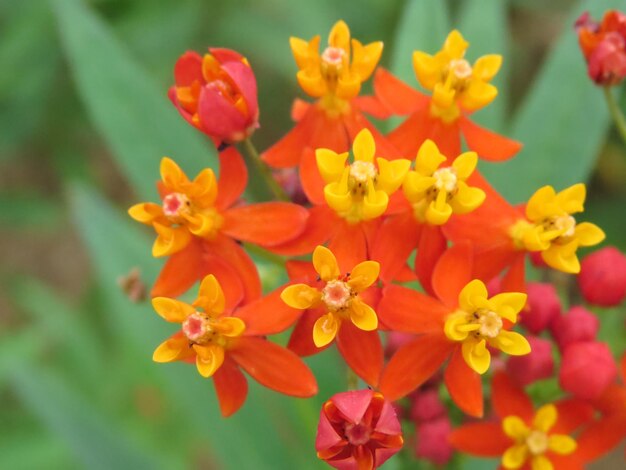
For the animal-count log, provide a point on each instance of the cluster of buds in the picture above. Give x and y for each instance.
(366, 201)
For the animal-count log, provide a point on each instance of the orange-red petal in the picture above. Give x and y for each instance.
(482, 439)
(407, 310)
(464, 384)
(396, 95)
(231, 387)
(572, 413)
(301, 339)
(487, 144)
(233, 178)
(362, 351)
(348, 244)
(600, 437)
(452, 273)
(432, 245)
(268, 315)
(509, 399)
(397, 237)
(320, 226)
(310, 178)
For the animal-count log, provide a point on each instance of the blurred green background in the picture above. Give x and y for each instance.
(84, 121)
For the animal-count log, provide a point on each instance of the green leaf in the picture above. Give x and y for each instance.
(131, 112)
(25, 210)
(483, 23)
(562, 122)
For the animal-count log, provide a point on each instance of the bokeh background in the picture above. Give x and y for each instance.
(84, 121)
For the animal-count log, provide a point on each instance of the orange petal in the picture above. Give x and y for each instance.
(399, 97)
(231, 387)
(274, 367)
(356, 122)
(268, 223)
(310, 178)
(181, 271)
(452, 273)
(286, 153)
(413, 364)
(319, 228)
(233, 178)
(481, 439)
(411, 134)
(268, 315)
(348, 245)
(465, 385)
(431, 247)
(362, 351)
(508, 399)
(409, 311)
(515, 278)
(301, 339)
(373, 106)
(298, 109)
(487, 144)
(572, 413)
(447, 137)
(600, 437)
(301, 271)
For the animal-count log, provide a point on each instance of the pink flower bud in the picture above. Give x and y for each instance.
(537, 365)
(587, 369)
(542, 307)
(358, 429)
(602, 278)
(432, 440)
(426, 405)
(577, 325)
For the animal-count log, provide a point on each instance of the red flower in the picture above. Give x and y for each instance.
(358, 430)
(537, 365)
(543, 306)
(217, 94)
(578, 324)
(587, 369)
(602, 278)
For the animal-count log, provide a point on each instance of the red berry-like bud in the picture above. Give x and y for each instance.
(577, 325)
(537, 365)
(602, 278)
(426, 405)
(587, 369)
(542, 306)
(432, 440)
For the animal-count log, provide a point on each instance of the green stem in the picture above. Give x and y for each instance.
(266, 255)
(618, 117)
(264, 171)
(353, 380)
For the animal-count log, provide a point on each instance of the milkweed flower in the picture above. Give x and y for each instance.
(541, 439)
(199, 222)
(457, 88)
(217, 93)
(358, 429)
(335, 308)
(604, 46)
(602, 279)
(221, 341)
(461, 325)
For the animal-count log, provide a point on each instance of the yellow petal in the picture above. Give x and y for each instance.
(363, 275)
(169, 240)
(427, 70)
(515, 428)
(173, 349)
(511, 343)
(472, 295)
(541, 204)
(364, 146)
(365, 58)
(467, 199)
(348, 86)
(340, 36)
(325, 263)
(415, 186)
(300, 296)
(455, 45)
(363, 316)
(456, 327)
(337, 195)
(514, 457)
(572, 199)
(375, 202)
(535, 238)
(325, 329)
(391, 174)
(312, 83)
(172, 310)
(210, 296)
(588, 234)
(438, 214)
(465, 164)
(171, 174)
(201, 225)
(541, 462)
(203, 189)
(476, 355)
(562, 257)
(545, 418)
(146, 212)
(487, 66)
(509, 304)
(428, 158)
(209, 358)
(330, 164)
(301, 50)
(231, 327)
(561, 444)
(478, 95)
(443, 95)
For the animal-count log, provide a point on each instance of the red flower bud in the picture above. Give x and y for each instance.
(217, 94)
(602, 278)
(604, 46)
(426, 405)
(587, 369)
(432, 440)
(577, 325)
(537, 365)
(542, 307)
(358, 429)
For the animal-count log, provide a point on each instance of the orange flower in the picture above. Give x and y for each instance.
(459, 326)
(220, 342)
(336, 306)
(540, 440)
(198, 223)
(458, 88)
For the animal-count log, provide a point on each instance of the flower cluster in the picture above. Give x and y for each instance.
(372, 200)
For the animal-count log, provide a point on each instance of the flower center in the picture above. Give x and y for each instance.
(537, 442)
(336, 295)
(567, 223)
(357, 434)
(490, 324)
(361, 171)
(461, 69)
(176, 205)
(446, 179)
(333, 56)
(197, 328)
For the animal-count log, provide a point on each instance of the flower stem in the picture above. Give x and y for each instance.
(618, 117)
(353, 380)
(264, 171)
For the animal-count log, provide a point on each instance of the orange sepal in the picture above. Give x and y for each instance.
(452, 273)
(233, 178)
(231, 387)
(268, 315)
(409, 311)
(397, 237)
(320, 226)
(487, 144)
(413, 364)
(274, 367)
(508, 399)
(267, 223)
(432, 245)
(362, 351)
(464, 384)
(482, 439)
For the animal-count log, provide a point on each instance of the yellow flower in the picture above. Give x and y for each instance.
(333, 73)
(453, 81)
(479, 322)
(553, 230)
(437, 193)
(340, 296)
(531, 443)
(361, 190)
